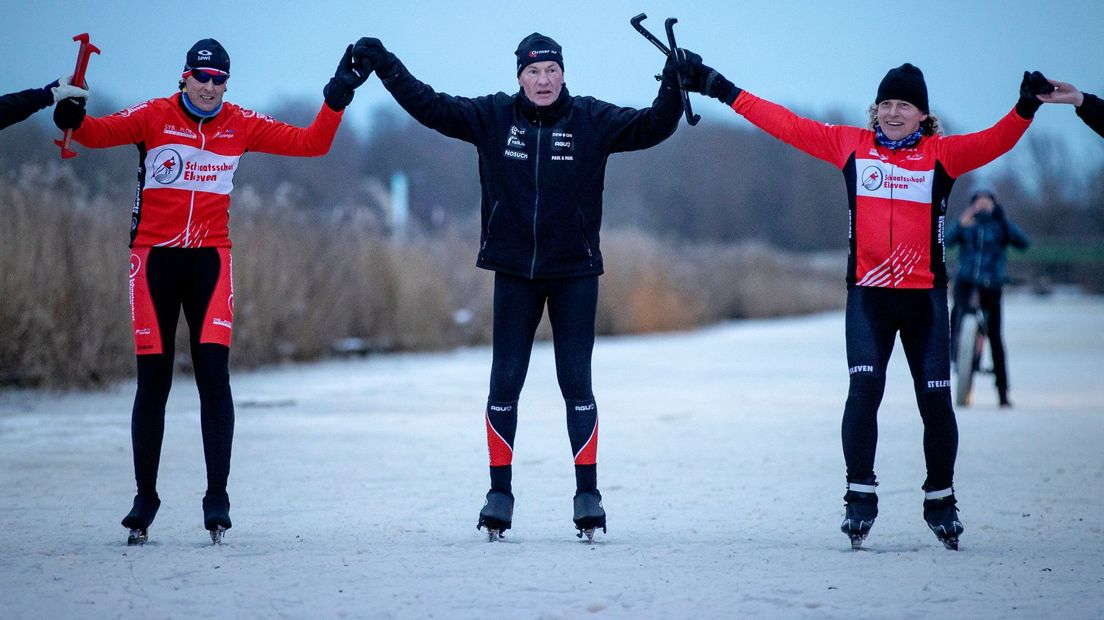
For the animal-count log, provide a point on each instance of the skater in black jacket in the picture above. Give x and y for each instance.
(542, 160)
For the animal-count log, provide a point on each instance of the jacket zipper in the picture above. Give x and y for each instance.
(191, 202)
(536, 200)
(892, 274)
(977, 258)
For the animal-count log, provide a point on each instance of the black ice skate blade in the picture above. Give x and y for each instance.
(495, 534)
(492, 523)
(857, 541)
(950, 542)
(137, 536)
(216, 535)
(588, 532)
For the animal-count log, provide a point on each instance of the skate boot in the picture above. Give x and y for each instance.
(941, 513)
(140, 518)
(216, 515)
(589, 514)
(497, 514)
(862, 508)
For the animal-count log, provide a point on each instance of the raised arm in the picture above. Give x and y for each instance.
(456, 117)
(640, 129)
(1091, 111)
(963, 153)
(124, 127)
(1089, 107)
(15, 107)
(268, 135)
(821, 140)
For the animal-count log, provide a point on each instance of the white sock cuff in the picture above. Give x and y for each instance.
(947, 492)
(861, 488)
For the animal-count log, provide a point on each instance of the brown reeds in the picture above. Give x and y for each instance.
(310, 283)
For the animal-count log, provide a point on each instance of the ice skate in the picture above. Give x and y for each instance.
(497, 514)
(216, 515)
(862, 509)
(589, 514)
(140, 517)
(941, 514)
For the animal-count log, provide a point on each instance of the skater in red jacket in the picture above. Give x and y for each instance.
(899, 172)
(189, 145)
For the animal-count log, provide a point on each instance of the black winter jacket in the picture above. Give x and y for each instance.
(1091, 111)
(542, 170)
(984, 247)
(15, 107)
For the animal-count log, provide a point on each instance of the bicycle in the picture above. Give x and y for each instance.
(973, 333)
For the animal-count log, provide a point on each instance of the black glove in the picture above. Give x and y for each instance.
(69, 113)
(701, 78)
(1034, 83)
(670, 77)
(349, 75)
(371, 52)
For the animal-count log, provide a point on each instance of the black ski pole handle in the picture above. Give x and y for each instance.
(669, 25)
(636, 23)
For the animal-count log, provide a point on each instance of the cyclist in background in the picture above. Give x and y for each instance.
(984, 233)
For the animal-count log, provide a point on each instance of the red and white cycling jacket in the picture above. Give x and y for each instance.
(186, 166)
(897, 199)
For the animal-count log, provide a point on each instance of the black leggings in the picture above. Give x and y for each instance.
(518, 307)
(183, 278)
(874, 317)
(990, 301)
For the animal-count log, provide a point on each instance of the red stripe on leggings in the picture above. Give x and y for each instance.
(588, 454)
(500, 452)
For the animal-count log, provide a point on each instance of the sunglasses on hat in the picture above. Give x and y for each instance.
(207, 75)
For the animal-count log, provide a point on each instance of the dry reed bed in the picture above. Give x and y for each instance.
(308, 283)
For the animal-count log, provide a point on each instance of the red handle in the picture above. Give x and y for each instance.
(83, 54)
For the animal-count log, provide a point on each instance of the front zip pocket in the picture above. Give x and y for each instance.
(490, 218)
(582, 232)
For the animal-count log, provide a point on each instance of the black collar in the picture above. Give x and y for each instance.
(546, 113)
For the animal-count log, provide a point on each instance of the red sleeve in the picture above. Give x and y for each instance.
(268, 135)
(123, 127)
(961, 154)
(832, 143)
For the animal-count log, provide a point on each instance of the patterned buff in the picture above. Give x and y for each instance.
(910, 140)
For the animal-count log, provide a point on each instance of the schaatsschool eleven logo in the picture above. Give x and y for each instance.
(872, 178)
(167, 166)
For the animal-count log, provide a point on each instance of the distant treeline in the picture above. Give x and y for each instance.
(720, 221)
(711, 183)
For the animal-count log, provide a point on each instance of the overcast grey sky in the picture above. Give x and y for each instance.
(813, 56)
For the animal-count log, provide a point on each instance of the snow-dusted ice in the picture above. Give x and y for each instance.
(355, 488)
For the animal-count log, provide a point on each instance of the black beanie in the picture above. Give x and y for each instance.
(905, 83)
(983, 192)
(207, 54)
(537, 48)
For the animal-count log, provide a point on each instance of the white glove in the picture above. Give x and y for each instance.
(65, 90)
